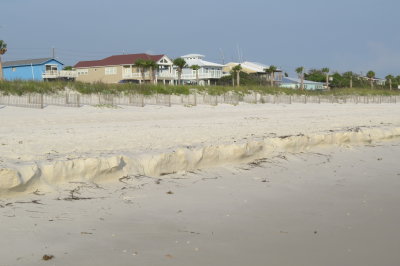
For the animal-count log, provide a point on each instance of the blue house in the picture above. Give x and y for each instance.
(31, 69)
(294, 83)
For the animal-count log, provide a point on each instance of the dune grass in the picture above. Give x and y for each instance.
(25, 87)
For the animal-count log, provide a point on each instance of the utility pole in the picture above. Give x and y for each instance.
(53, 52)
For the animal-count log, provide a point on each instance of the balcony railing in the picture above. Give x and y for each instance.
(138, 75)
(53, 74)
(174, 75)
(210, 75)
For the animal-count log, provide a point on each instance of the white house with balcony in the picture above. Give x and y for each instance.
(208, 71)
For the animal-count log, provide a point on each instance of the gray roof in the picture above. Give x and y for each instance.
(37, 61)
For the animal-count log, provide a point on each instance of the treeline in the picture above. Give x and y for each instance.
(350, 79)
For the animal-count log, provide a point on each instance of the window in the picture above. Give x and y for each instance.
(111, 70)
(84, 71)
(51, 68)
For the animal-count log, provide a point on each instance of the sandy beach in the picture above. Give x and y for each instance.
(294, 184)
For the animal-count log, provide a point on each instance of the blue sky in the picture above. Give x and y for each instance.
(342, 35)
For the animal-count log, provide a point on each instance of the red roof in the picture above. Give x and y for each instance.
(126, 59)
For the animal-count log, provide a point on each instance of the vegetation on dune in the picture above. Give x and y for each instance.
(24, 87)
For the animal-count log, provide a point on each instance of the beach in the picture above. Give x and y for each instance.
(313, 184)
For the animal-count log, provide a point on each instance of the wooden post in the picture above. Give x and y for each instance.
(41, 101)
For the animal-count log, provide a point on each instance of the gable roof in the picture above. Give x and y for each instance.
(126, 59)
(38, 61)
(251, 67)
(197, 59)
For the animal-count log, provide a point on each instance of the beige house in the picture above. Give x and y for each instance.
(122, 68)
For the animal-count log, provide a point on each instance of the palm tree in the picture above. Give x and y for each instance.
(237, 70)
(271, 71)
(233, 77)
(142, 65)
(300, 72)
(351, 79)
(389, 78)
(326, 71)
(152, 66)
(3, 50)
(180, 63)
(196, 68)
(371, 76)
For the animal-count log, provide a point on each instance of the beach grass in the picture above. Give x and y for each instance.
(19, 87)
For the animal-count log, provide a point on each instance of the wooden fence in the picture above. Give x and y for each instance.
(77, 100)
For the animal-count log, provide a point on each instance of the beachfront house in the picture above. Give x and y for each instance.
(257, 69)
(39, 69)
(295, 83)
(207, 72)
(123, 68)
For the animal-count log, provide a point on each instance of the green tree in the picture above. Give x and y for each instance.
(271, 71)
(326, 70)
(3, 50)
(181, 64)
(237, 70)
(389, 80)
(371, 76)
(141, 64)
(196, 68)
(315, 75)
(300, 73)
(349, 75)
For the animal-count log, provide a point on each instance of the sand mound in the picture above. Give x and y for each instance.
(30, 176)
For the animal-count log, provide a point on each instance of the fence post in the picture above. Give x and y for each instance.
(41, 101)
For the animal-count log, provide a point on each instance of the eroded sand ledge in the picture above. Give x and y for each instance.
(31, 175)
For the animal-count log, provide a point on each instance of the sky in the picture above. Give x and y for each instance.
(356, 35)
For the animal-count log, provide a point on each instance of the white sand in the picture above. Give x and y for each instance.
(58, 145)
(328, 207)
(328, 195)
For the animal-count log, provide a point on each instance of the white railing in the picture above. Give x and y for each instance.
(53, 74)
(167, 74)
(202, 76)
(135, 75)
(138, 75)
